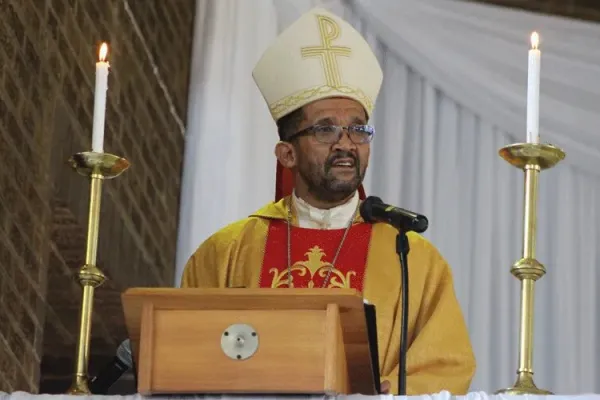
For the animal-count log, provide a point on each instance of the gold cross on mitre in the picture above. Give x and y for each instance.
(329, 31)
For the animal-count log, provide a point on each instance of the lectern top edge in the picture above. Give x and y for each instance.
(344, 297)
(263, 298)
(170, 291)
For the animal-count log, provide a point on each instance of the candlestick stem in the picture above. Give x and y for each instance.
(96, 166)
(532, 158)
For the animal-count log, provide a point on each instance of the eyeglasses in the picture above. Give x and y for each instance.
(330, 134)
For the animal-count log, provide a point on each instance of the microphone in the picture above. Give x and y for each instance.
(374, 210)
(120, 364)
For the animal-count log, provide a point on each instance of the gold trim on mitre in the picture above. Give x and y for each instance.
(317, 57)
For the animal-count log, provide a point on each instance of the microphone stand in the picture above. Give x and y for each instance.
(402, 248)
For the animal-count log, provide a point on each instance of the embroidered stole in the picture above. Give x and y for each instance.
(312, 252)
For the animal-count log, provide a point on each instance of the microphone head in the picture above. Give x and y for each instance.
(124, 353)
(366, 208)
(373, 210)
(420, 224)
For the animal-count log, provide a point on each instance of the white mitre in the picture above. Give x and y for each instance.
(318, 56)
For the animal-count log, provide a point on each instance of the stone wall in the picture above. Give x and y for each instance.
(48, 51)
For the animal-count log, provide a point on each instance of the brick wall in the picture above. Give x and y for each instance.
(48, 51)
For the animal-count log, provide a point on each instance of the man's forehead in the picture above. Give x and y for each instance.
(334, 107)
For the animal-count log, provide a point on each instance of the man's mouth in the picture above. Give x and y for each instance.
(343, 163)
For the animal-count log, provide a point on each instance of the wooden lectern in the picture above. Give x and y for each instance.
(301, 341)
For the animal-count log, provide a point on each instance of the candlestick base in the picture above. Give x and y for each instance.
(523, 386)
(79, 387)
(106, 165)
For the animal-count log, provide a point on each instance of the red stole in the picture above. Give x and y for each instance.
(313, 251)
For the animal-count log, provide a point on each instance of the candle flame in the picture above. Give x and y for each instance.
(103, 52)
(535, 40)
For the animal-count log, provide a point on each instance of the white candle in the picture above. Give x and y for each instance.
(100, 100)
(533, 91)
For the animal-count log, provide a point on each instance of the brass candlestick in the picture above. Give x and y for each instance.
(96, 166)
(532, 158)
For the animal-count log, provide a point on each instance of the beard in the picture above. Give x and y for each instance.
(322, 182)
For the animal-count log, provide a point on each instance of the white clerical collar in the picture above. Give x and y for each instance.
(316, 218)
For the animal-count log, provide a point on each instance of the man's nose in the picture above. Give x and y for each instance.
(345, 143)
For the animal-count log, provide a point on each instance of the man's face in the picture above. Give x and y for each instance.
(331, 172)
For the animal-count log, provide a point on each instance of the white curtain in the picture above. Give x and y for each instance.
(454, 93)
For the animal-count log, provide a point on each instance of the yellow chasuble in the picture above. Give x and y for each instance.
(253, 253)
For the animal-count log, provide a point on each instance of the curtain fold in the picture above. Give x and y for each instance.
(454, 93)
(229, 169)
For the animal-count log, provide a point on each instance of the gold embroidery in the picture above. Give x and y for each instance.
(328, 53)
(281, 107)
(278, 278)
(313, 265)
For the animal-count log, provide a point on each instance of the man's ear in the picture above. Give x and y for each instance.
(286, 154)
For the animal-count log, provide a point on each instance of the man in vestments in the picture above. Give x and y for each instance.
(320, 80)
